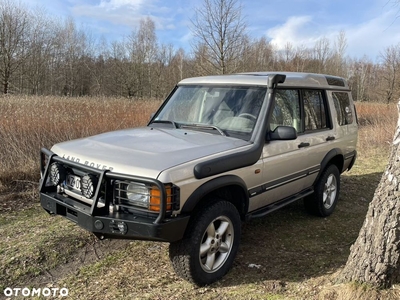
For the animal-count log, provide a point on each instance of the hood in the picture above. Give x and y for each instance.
(144, 151)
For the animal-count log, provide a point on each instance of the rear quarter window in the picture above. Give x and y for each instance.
(344, 112)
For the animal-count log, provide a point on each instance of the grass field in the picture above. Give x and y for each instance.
(286, 255)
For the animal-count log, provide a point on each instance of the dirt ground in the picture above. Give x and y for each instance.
(285, 255)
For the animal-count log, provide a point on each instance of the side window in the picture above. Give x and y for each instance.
(286, 111)
(343, 109)
(315, 116)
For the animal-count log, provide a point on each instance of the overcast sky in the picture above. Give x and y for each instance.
(370, 25)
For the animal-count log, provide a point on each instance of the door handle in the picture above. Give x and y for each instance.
(330, 138)
(302, 145)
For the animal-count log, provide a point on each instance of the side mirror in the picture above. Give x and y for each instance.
(282, 133)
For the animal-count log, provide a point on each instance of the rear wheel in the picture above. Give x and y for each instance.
(326, 193)
(210, 246)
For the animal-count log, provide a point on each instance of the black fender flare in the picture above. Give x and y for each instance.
(353, 160)
(328, 157)
(213, 185)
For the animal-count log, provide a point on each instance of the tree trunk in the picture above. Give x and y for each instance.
(375, 256)
(6, 83)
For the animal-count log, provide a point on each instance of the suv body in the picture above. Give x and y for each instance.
(220, 150)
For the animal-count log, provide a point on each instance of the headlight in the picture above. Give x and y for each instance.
(138, 194)
(130, 194)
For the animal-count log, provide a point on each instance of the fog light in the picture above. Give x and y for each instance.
(88, 186)
(57, 174)
(98, 224)
(122, 227)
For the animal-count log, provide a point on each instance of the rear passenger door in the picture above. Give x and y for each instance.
(318, 136)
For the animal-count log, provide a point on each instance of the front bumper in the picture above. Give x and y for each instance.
(115, 225)
(98, 218)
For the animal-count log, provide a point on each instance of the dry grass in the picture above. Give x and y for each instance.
(29, 123)
(377, 126)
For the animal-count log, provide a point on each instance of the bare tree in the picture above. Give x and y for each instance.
(321, 55)
(258, 55)
(288, 54)
(337, 63)
(14, 24)
(177, 63)
(219, 29)
(391, 63)
(360, 78)
(41, 48)
(100, 69)
(295, 59)
(123, 70)
(72, 54)
(135, 61)
(146, 50)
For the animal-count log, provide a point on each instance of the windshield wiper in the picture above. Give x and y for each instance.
(203, 126)
(165, 122)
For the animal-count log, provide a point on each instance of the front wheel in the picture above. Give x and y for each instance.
(210, 246)
(326, 193)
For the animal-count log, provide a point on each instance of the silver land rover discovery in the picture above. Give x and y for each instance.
(220, 150)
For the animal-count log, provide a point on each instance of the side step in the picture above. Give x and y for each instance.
(261, 212)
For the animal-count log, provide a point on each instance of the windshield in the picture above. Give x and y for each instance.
(231, 111)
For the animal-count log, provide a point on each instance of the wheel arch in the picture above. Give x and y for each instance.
(335, 156)
(229, 187)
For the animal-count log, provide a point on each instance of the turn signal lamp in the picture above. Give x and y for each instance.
(155, 198)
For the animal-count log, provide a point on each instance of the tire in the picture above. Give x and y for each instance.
(212, 240)
(326, 193)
